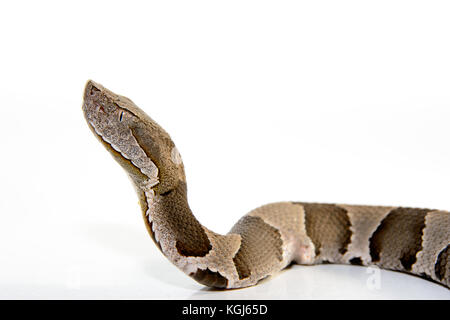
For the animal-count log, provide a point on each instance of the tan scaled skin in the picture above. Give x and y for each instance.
(270, 237)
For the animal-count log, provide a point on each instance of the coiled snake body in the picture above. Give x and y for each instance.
(270, 237)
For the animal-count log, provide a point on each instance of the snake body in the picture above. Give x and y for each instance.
(269, 238)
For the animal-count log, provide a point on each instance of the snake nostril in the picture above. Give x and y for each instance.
(121, 115)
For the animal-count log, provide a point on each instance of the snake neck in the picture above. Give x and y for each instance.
(199, 252)
(172, 224)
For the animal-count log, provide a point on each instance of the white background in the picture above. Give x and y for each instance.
(327, 101)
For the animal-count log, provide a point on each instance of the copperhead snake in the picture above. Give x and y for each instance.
(269, 238)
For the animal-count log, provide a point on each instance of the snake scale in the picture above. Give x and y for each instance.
(269, 238)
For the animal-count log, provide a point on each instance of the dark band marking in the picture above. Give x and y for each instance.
(261, 244)
(210, 278)
(356, 261)
(399, 236)
(241, 264)
(442, 266)
(327, 225)
(185, 248)
(191, 239)
(166, 193)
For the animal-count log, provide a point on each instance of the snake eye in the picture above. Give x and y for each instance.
(121, 116)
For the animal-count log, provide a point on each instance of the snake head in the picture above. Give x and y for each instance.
(136, 141)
